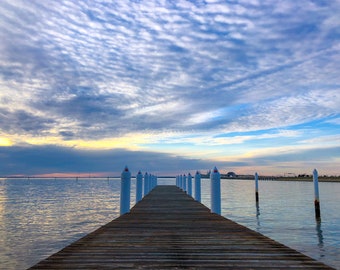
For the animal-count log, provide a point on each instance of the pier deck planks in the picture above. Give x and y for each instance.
(169, 229)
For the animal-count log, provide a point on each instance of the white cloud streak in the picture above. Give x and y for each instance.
(91, 69)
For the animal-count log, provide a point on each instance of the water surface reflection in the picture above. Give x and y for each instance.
(39, 217)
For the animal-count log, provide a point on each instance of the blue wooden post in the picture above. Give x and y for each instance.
(185, 183)
(139, 186)
(152, 182)
(189, 184)
(256, 187)
(125, 191)
(181, 182)
(149, 183)
(146, 183)
(215, 179)
(316, 194)
(198, 186)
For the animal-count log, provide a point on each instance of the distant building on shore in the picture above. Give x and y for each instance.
(231, 175)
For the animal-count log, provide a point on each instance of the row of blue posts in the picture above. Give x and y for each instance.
(316, 192)
(149, 180)
(185, 183)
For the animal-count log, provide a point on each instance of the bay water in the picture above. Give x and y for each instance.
(38, 217)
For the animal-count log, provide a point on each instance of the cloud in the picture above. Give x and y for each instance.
(301, 158)
(49, 159)
(80, 72)
(22, 122)
(289, 110)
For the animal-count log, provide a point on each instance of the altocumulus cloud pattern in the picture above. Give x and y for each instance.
(169, 85)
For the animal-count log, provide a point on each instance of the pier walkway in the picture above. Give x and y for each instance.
(169, 229)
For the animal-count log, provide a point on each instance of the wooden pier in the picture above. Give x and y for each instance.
(169, 229)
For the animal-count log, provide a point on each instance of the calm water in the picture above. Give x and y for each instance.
(39, 217)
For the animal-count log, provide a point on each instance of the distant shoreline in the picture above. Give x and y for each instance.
(282, 178)
(204, 177)
(290, 179)
(310, 179)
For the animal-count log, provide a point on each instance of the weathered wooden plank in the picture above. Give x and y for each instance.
(168, 229)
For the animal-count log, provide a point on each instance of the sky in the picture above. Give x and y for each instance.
(168, 87)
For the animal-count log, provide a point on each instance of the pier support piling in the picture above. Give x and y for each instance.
(198, 186)
(256, 187)
(189, 184)
(185, 183)
(139, 186)
(146, 183)
(316, 194)
(125, 191)
(215, 179)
